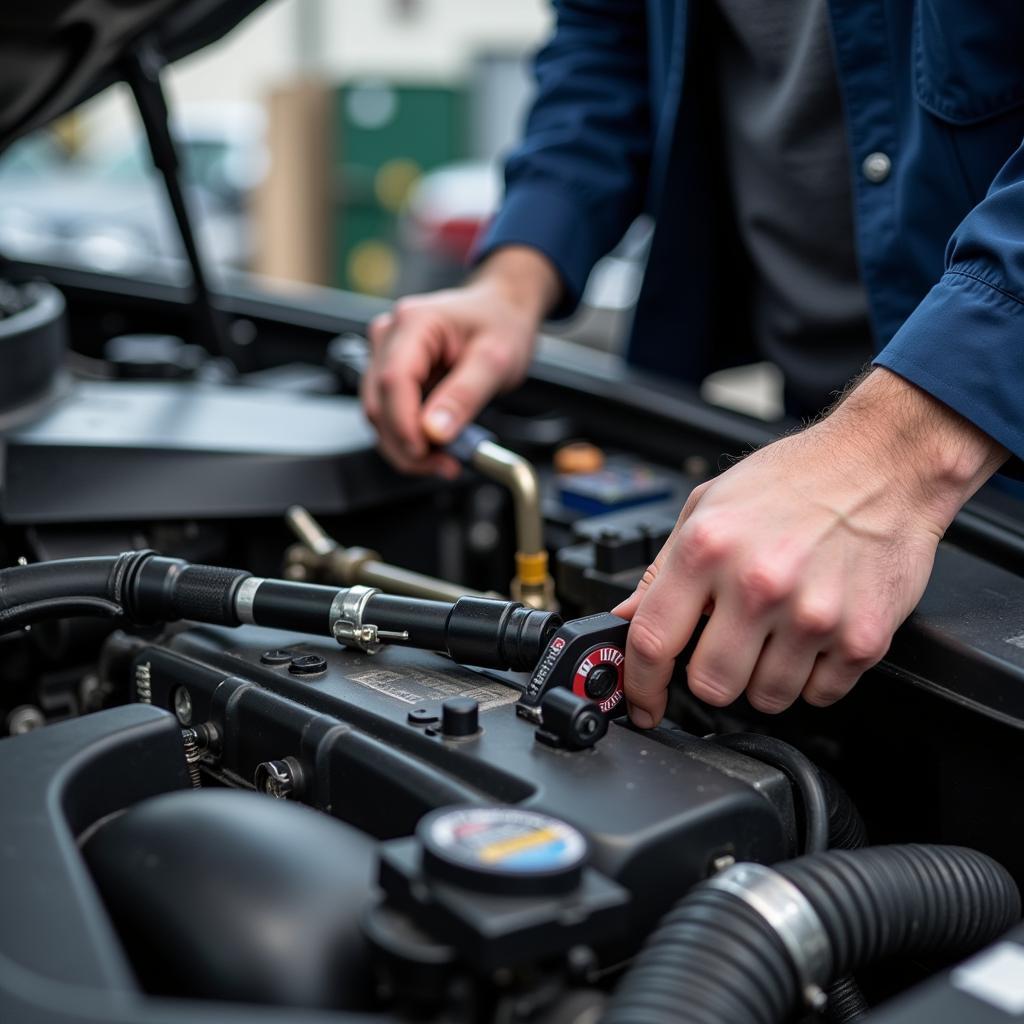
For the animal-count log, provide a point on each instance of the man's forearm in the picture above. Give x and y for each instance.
(941, 455)
(525, 275)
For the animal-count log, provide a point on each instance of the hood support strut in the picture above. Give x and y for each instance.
(142, 69)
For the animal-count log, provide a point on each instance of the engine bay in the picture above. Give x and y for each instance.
(352, 746)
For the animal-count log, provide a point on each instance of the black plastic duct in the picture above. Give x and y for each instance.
(716, 960)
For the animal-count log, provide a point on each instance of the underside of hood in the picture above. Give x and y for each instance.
(56, 53)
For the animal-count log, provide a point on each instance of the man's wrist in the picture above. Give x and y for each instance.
(525, 276)
(933, 447)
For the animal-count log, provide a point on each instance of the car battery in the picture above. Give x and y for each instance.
(622, 483)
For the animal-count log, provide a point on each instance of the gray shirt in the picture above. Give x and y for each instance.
(788, 164)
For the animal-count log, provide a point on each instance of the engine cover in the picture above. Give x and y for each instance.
(381, 741)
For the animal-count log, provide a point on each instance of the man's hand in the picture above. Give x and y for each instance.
(463, 346)
(807, 555)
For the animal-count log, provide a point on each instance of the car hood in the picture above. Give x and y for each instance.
(56, 53)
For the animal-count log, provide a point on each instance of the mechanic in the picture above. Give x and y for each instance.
(807, 162)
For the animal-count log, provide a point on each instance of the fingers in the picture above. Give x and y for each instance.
(662, 624)
(773, 632)
(832, 677)
(627, 609)
(484, 369)
(726, 654)
(407, 350)
(408, 357)
(860, 644)
(781, 673)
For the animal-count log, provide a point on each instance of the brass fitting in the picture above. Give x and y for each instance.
(532, 583)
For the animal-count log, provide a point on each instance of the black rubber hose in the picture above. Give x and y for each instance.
(714, 960)
(57, 608)
(800, 770)
(69, 577)
(147, 587)
(846, 828)
(152, 589)
(845, 831)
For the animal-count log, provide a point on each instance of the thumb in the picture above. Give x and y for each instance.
(627, 609)
(461, 394)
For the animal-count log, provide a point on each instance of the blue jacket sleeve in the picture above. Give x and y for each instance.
(964, 343)
(577, 180)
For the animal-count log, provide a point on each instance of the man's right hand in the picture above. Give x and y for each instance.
(438, 359)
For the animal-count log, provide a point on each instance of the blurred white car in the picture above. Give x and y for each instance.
(105, 208)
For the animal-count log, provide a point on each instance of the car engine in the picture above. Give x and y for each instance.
(261, 775)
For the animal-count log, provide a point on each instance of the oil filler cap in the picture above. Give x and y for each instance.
(502, 850)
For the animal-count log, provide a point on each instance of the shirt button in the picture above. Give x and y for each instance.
(876, 167)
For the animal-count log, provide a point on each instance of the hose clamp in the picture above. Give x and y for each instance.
(789, 914)
(346, 621)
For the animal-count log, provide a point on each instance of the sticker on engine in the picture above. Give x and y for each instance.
(414, 686)
(507, 839)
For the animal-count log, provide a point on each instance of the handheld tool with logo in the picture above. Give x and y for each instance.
(586, 657)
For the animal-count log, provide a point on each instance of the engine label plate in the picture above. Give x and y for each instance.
(416, 685)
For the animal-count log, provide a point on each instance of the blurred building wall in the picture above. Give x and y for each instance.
(411, 40)
(421, 40)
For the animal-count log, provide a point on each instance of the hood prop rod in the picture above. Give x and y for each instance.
(142, 68)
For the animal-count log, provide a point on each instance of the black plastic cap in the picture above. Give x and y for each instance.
(460, 716)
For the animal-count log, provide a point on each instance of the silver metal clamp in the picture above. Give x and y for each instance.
(346, 621)
(791, 916)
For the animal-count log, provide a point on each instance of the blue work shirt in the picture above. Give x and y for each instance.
(933, 92)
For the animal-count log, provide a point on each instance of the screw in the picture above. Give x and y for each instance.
(144, 683)
(726, 860)
(279, 779)
(183, 705)
(193, 753)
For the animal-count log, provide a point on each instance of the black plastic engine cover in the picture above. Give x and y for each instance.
(657, 808)
(124, 451)
(220, 894)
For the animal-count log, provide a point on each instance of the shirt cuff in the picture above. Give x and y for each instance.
(555, 224)
(964, 345)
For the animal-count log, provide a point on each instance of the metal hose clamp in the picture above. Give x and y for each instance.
(791, 916)
(346, 621)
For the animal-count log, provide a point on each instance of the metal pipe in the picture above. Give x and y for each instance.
(533, 584)
(519, 476)
(309, 531)
(320, 556)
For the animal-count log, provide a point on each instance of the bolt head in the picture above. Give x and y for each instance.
(276, 779)
(183, 705)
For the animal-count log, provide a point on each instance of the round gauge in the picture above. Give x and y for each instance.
(598, 677)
